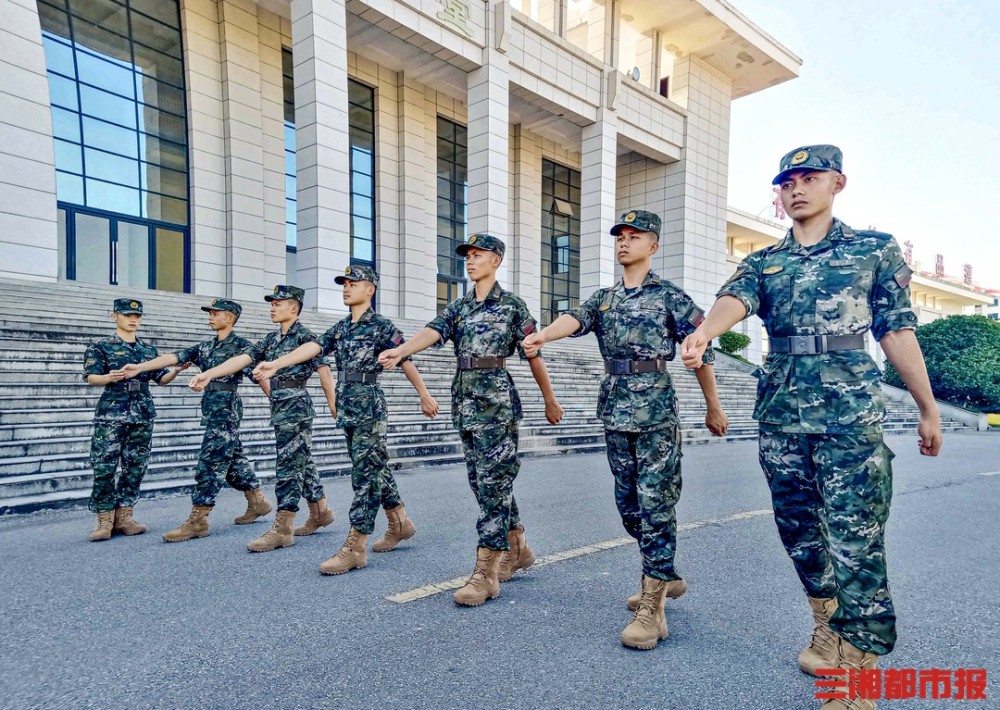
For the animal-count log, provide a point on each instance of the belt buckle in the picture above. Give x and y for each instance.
(803, 345)
(620, 367)
(464, 362)
(132, 386)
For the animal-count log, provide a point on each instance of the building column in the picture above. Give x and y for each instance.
(29, 235)
(319, 33)
(243, 135)
(417, 204)
(526, 218)
(489, 141)
(694, 204)
(598, 163)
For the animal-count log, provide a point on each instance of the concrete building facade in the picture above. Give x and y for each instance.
(222, 146)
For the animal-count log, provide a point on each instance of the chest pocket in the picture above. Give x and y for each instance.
(842, 294)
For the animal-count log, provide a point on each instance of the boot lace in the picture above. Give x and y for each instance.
(822, 635)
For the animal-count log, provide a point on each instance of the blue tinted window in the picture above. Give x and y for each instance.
(62, 92)
(68, 157)
(113, 198)
(65, 124)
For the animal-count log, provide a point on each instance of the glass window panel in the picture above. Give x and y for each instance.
(288, 96)
(109, 75)
(363, 229)
(168, 182)
(132, 255)
(290, 186)
(362, 159)
(289, 136)
(164, 209)
(68, 157)
(162, 124)
(290, 211)
(93, 249)
(69, 188)
(158, 65)
(159, 95)
(361, 206)
(61, 243)
(156, 35)
(358, 93)
(58, 57)
(111, 168)
(445, 129)
(362, 141)
(169, 260)
(165, 12)
(99, 134)
(461, 159)
(169, 155)
(53, 20)
(100, 41)
(446, 157)
(444, 263)
(65, 124)
(62, 92)
(362, 250)
(290, 235)
(103, 13)
(290, 163)
(101, 104)
(113, 198)
(362, 184)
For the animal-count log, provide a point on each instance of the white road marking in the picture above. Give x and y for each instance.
(990, 473)
(429, 590)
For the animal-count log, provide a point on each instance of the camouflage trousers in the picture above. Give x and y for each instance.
(113, 443)
(221, 458)
(647, 470)
(295, 471)
(371, 479)
(491, 459)
(831, 496)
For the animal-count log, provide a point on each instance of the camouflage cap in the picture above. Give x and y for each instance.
(358, 272)
(224, 304)
(286, 293)
(128, 305)
(810, 157)
(486, 242)
(641, 220)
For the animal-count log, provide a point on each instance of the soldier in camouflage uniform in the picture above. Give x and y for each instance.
(638, 321)
(291, 416)
(123, 421)
(221, 456)
(354, 345)
(486, 327)
(820, 404)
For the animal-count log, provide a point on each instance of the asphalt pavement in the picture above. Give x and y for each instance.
(135, 622)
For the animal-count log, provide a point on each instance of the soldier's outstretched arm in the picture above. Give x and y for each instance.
(425, 338)
(157, 363)
(553, 410)
(903, 350)
(726, 312)
(562, 327)
(301, 354)
(715, 419)
(229, 367)
(428, 405)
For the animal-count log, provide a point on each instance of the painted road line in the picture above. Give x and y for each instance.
(990, 473)
(429, 590)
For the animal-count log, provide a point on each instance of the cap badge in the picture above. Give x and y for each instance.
(277, 289)
(347, 271)
(133, 304)
(630, 217)
(800, 157)
(472, 239)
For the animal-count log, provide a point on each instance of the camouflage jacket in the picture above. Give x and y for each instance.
(848, 283)
(218, 407)
(643, 325)
(494, 327)
(294, 404)
(355, 347)
(116, 403)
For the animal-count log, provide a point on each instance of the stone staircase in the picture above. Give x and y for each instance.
(46, 408)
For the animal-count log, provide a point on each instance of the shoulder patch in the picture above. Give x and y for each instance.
(881, 236)
(696, 317)
(903, 276)
(528, 326)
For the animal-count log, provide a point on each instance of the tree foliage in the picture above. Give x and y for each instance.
(732, 342)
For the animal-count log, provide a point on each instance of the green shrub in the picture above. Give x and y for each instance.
(963, 361)
(732, 342)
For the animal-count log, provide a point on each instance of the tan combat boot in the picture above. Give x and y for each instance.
(519, 556)
(105, 522)
(125, 524)
(649, 624)
(280, 534)
(400, 528)
(195, 526)
(822, 649)
(851, 658)
(353, 555)
(675, 589)
(319, 517)
(483, 585)
(257, 507)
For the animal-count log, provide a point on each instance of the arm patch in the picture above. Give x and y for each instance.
(903, 276)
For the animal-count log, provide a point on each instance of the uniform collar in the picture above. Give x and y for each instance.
(493, 295)
(838, 232)
(651, 279)
(367, 315)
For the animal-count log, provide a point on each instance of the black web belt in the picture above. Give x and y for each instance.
(368, 378)
(223, 386)
(816, 344)
(633, 367)
(129, 386)
(471, 362)
(288, 384)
